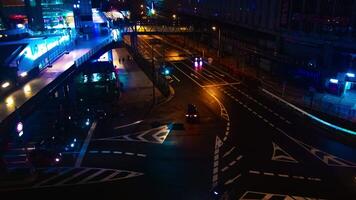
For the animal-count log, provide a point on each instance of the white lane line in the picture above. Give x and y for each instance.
(298, 177)
(85, 145)
(253, 172)
(221, 84)
(187, 75)
(93, 152)
(283, 175)
(129, 153)
(268, 174)
(310, 115)
(127, 125)
(175, 78)
(105, 152)
(193, 75)
(314, 179)
(117, 152)
(141, 155)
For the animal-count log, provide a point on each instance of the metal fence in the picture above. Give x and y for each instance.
(93, 51)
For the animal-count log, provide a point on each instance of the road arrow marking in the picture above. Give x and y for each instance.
(280, 155)
(155, 135)
(327, 158)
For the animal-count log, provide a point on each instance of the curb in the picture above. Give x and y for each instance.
(311, 116)
(169, 98)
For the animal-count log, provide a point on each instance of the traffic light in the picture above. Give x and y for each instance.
(167, 72)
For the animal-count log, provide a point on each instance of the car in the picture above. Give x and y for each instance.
(192, 114)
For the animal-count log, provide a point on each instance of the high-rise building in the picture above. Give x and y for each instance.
(309, 39)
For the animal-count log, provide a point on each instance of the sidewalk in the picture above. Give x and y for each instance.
(17, 98)
(323, 104)
(136, 86)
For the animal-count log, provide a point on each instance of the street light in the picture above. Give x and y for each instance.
(214, 28)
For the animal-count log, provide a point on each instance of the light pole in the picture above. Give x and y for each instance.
(219, 39)
(153, 76)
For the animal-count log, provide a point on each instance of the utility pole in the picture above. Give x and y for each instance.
(153, 77)
(219, 42)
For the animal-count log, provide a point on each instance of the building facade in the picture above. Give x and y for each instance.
(309, 40)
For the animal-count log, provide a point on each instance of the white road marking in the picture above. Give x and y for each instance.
(127, 125)
(175, 78)
(141, 155)
(85, 145)
(53, 177)
(129, 153)
(283, 175)
(225, 168)
(232, 180)
(91, 176)
(117, 152)
(193, 75)
(268, 173)
(72, 177)
(221, 84)
(253, 172)
(282, 155)
(228, 152)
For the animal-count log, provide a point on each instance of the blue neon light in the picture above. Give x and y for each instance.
(332, 125)
(332, 80)
(350, 75)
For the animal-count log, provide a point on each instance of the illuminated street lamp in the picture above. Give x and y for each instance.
(19, 129)
(214, 28)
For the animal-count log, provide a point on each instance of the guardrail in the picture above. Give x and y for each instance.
(93, 51)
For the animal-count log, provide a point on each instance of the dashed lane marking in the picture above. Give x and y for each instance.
(176, 78)
(118, 153)
(284, 175)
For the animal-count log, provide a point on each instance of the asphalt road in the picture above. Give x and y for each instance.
(246, 146)
(268, 150)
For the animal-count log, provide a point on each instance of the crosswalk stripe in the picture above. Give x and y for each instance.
(72, 177)
(92, 176)
(53, 177)
(111, 176)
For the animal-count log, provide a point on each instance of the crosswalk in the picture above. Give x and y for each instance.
(68, 176)
(16, 155)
